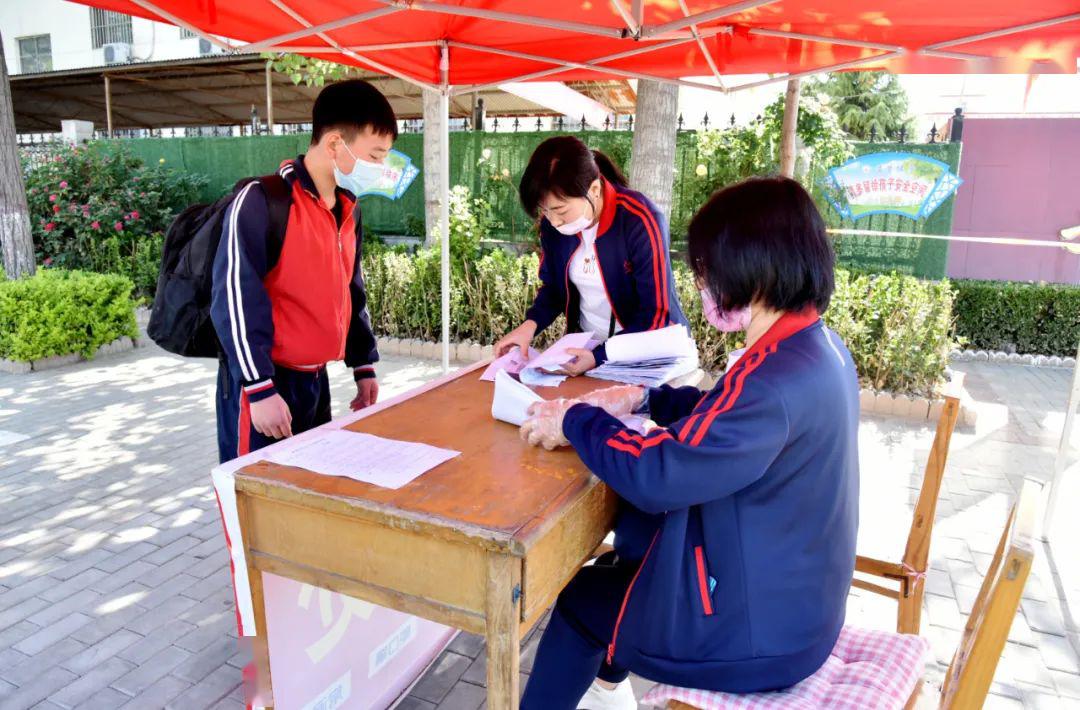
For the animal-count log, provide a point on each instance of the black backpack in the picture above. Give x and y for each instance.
(180, 319)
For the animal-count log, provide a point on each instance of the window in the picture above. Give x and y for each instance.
(35, 54)
(107, 27)
(185, 33)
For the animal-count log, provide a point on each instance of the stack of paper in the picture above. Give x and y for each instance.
(650, 358)
(543, 370)
(512, 400)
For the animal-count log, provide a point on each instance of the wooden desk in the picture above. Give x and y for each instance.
(484, 542)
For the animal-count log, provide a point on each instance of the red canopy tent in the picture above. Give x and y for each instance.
(459, 46)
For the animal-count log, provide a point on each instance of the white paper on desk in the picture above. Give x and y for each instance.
(556, 355)
(670, 342)
(364, 457)
(512, 400)
(513, 362)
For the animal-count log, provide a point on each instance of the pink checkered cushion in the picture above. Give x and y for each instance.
(867, 669)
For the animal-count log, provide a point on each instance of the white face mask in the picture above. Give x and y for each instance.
(363, 176)
(580, 224)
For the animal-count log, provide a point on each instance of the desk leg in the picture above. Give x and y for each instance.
(503, 624)
(260, 647)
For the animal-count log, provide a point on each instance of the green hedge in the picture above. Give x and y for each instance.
(60, 312)
(1026, 318)
(898, 327)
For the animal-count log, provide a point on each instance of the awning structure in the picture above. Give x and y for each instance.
(458, 47)
(466, 44)
(221, 89)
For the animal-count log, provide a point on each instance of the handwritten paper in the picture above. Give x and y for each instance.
(364, 457)
(512, 400)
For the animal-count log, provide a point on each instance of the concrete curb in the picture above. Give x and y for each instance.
(22, 367)
(1011, 358)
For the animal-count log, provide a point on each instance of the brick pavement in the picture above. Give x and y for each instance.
(114, 589)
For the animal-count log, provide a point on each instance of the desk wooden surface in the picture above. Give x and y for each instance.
(499, 492)
(484, 542)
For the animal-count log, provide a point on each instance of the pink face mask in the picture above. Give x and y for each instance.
(724, 321)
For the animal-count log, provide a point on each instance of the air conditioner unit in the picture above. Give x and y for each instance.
(208, 47)
(117, 52)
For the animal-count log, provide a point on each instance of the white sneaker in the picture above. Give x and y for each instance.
(600, 698)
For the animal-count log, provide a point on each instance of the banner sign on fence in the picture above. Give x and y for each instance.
(890, 183)
(398, 173)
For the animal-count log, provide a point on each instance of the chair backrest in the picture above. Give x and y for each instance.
(917, 551)
(972, 669)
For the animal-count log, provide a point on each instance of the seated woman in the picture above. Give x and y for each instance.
(605, 257)
(752, 488)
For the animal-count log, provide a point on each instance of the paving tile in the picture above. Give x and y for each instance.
(90, 682)
(158, 695)
(441, 677)
(45, 684)
(207, 691)
(101, 651)
(151, 670)
(464, 696)
(49, 635)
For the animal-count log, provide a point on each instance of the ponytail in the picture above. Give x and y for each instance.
(609, 169)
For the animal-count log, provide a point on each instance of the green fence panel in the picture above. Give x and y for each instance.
(491, 164)
(925, 258)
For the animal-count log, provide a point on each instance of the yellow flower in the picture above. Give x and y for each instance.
(161, 160)
(701, 170)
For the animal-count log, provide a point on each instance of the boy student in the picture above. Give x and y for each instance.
(280, 321)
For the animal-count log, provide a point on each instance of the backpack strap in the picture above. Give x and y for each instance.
(278, 201)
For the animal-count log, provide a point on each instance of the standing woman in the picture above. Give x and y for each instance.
(605, 252)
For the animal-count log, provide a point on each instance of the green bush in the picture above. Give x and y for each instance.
(1026, 318)
(105, 211)
(59, 312)
(897, 327)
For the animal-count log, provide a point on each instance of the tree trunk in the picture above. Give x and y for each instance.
(432, 174)
(15, 237)
(652, 163)
(788, 143)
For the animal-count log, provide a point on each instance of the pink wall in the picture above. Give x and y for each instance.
(1021, 179)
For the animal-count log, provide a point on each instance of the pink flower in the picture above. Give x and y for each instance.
(142, 194)
(134, 214)
(119, 226)
(50, 227)
(63, 184)
(95, 224)
(48, 262)
(56, 209)
(52, 198)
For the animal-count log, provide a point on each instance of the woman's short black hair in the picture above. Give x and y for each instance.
(763, 239)
(350, 106)
(565, 167)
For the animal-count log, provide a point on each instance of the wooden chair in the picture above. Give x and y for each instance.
(971, 672)
(910, 572)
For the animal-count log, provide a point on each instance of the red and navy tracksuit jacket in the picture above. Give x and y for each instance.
(749, 499)
(633, 250)
(309, 309)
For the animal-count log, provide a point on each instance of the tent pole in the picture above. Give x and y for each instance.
(269, 97)
(444, 200)
(108, 107)
(1063, 449)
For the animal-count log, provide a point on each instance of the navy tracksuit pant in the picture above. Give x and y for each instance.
(573, 648)
(306, 392)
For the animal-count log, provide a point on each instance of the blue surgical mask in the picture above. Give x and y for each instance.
(363, 177)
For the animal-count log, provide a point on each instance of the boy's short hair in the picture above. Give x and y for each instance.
(350, 106)
(763, 239)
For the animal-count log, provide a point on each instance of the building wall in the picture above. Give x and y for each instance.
(1021, 179)
(68, 26)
